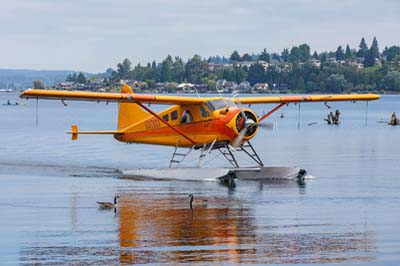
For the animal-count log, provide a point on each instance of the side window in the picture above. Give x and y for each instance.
(203, 111)
(166, 117)
(186, 117)
(174, 115)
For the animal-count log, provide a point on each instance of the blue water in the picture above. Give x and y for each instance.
(348, 215)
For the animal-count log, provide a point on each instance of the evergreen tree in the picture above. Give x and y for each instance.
(195, 69)
(178, 70)
(315, 55)
(339, 55)
(166, 69)
(264, 56)
(256, 74)
(123, 70)
(301, 53)
(240, 74)
(155, 71)
(235, 57)
(362, 52)
(81, 78)
(347, 54)
(374, 50)
(372, 54)
(246, 57)
(285, 55)
(391, 52)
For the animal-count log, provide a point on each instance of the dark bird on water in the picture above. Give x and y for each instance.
(203, 202)
(108, 205)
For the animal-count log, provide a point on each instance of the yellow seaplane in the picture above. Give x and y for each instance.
(200, 123)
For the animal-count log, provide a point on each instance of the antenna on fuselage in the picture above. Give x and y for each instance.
(298, 118)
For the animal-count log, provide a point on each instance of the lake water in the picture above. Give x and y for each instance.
(348, 215)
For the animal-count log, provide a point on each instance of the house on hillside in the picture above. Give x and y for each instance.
(67, 85)
(261, 88)
(315, 62)
(244, 87)
(225, 86)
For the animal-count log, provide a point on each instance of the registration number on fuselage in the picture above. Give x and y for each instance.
(152, 123)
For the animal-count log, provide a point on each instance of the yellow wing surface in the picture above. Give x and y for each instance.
(183, 100)
(110, 97)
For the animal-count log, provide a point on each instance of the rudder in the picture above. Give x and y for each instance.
(129, 113)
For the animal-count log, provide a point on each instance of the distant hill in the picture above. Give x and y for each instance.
(23, 78)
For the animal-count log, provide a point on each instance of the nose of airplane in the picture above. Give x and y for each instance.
(244, 123)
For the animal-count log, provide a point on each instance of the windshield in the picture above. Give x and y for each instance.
(219, 104)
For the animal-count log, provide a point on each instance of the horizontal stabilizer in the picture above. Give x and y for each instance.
(75, 132)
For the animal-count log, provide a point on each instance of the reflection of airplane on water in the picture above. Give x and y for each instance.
(159, 228)
(202, 123)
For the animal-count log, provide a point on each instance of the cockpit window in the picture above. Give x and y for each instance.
(219, 104)
(204, 113)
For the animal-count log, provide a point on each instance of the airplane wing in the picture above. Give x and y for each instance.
(310, 98)
(181, 100)
(109, 97)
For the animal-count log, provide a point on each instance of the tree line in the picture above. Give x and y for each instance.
(344, 70)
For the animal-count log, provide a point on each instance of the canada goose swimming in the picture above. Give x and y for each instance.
(202, 203)
(108, 205)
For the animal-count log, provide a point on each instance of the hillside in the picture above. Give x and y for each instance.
(23, 78)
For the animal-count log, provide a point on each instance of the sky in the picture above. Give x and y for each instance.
(93, 35)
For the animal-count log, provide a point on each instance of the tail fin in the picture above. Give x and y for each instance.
(129, 113)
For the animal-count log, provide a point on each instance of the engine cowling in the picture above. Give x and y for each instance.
(246, 122)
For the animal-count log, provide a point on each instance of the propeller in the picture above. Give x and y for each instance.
(246, 123)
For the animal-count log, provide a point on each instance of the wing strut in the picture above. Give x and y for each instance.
(270, 112)
(165, 122)
(37, 111)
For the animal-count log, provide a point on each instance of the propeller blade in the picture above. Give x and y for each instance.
(238, 140)
(267, 125)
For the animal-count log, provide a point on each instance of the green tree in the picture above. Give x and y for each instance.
(391, 81)
(81, 78)
(235, 57)
(285, 55)
(264, 56)
(123, 70)
(339, 53)
(390, 53)
(300, 85)
(336, 83)
(362, 52)
(239, 74)
(166, 69)
(247, 57)
(256, 74)
(37, 84)
(301, 53)
(372, 54)
(178, 70)
(347, 54)
(195, 69)
(374, 50)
